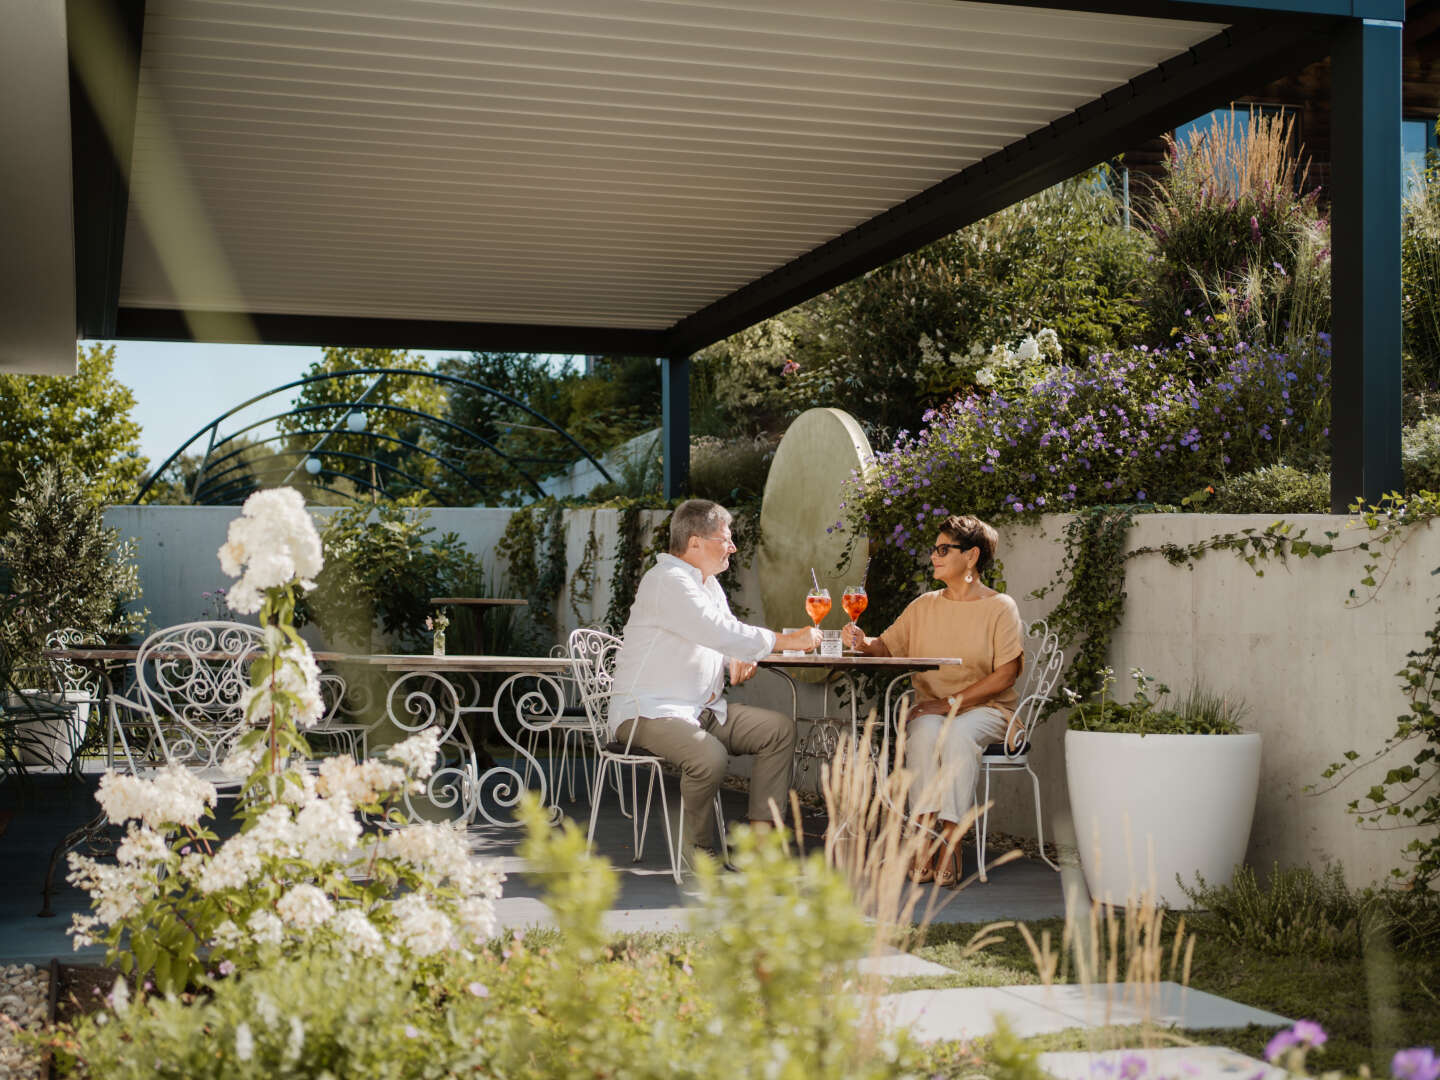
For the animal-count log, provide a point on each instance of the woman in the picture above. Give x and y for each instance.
(959, 708)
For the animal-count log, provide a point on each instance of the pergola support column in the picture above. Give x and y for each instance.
(675, 430)
(1365, 266)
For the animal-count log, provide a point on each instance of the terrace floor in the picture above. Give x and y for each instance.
(36, 814)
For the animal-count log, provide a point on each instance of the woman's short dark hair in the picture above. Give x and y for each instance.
(970, 532)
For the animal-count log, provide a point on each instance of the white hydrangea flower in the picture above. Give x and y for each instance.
(418, 753)
(360, 782)
(421, 929)
(242, 761)
(297, 674)
(274, 833)
(1028, 350)
(232, 867)
(1049, 342)
(174, 797)
(272, 542)
(305, 907)
(84, 928)
(227, 935)
(116, 891)
(142, 846)
(477, 917)
(265, 927)
(357, 933)
(327, 829)
(985, 376)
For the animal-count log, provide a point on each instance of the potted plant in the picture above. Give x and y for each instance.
(1159, 788)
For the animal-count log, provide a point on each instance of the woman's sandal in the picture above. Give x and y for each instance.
(949, 874)
(922, 875)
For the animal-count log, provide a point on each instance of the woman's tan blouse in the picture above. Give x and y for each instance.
(985, 634)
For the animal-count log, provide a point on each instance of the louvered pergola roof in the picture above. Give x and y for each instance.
(603, 176)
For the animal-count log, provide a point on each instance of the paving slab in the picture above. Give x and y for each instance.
(1167, 1004)
(967, 1013)
(894, 964)
(1163, 1063)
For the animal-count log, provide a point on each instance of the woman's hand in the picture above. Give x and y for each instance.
(851, 636)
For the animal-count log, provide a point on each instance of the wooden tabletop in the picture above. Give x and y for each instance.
(894, 663)
(480, 601)
(96, 653)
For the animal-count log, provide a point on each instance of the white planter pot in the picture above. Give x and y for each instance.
(52, 742)
(1149, 807)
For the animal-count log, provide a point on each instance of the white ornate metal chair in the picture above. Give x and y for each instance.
(598, 651)
(184, 707)
(567, 738)
(1013, 754)
(337, 729)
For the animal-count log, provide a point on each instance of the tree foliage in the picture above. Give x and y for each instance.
(83, 418)
(72, 570)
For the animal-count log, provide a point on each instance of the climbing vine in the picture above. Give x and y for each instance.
(533, 547)
(629, 557)
(582, 582)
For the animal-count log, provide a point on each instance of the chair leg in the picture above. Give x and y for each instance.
(982, 826)
(1039, 825)
(720, 824)
(595, 808)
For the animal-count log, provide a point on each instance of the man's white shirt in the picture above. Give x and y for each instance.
(680, 634)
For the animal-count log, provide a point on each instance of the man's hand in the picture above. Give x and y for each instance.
(741, 670)
(806, 638)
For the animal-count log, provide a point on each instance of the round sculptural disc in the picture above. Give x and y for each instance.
(819, 453)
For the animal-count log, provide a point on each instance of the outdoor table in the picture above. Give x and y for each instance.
(820, 743)
(477, 606)
(443, 691)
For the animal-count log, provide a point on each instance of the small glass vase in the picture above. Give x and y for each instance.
(439, 643)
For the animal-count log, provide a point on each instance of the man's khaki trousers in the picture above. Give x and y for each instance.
(701, 752)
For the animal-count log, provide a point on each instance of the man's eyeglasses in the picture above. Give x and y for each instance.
(726, 540)
(944, 549)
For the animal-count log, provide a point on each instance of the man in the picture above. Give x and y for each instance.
(670, 675)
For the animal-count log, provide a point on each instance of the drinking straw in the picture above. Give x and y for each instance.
(815, 579)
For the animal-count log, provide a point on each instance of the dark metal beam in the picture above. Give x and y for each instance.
(1207, 76)
(1223, 11)
(105, 39)
(675, 425)
(1365, 263)
(171, 325)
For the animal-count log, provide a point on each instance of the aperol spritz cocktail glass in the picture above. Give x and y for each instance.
(817, 604)
(855, 602)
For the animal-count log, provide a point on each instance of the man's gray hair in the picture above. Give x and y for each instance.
(695, 517)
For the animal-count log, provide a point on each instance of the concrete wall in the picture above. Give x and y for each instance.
(1318, 675)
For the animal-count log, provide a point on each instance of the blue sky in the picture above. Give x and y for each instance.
(180, 386)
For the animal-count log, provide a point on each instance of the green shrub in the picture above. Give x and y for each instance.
(770, 991)
(1234, 232)
(1132, 426)
(891, 343)
(730, 471)
(72, 569)
(1302, 913)
(1420, 455)
(381, 570)
(1200, 711)
(1420, 279)
(1273, 489)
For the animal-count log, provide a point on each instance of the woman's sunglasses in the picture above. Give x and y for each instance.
(944, 549)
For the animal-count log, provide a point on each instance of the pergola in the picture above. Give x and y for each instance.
(637, 177)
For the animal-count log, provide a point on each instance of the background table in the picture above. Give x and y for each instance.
(443, 691)
(477, 606)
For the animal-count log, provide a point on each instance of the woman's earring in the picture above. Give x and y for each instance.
(969, 577)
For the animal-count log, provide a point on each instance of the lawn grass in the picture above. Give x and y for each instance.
(1370, 1007)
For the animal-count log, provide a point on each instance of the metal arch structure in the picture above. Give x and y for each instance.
(210, 487)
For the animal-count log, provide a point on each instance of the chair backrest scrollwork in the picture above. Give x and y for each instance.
(190, 681)
(596, 653)
(1043, 665)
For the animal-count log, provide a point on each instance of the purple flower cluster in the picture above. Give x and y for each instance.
(1133, 426)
